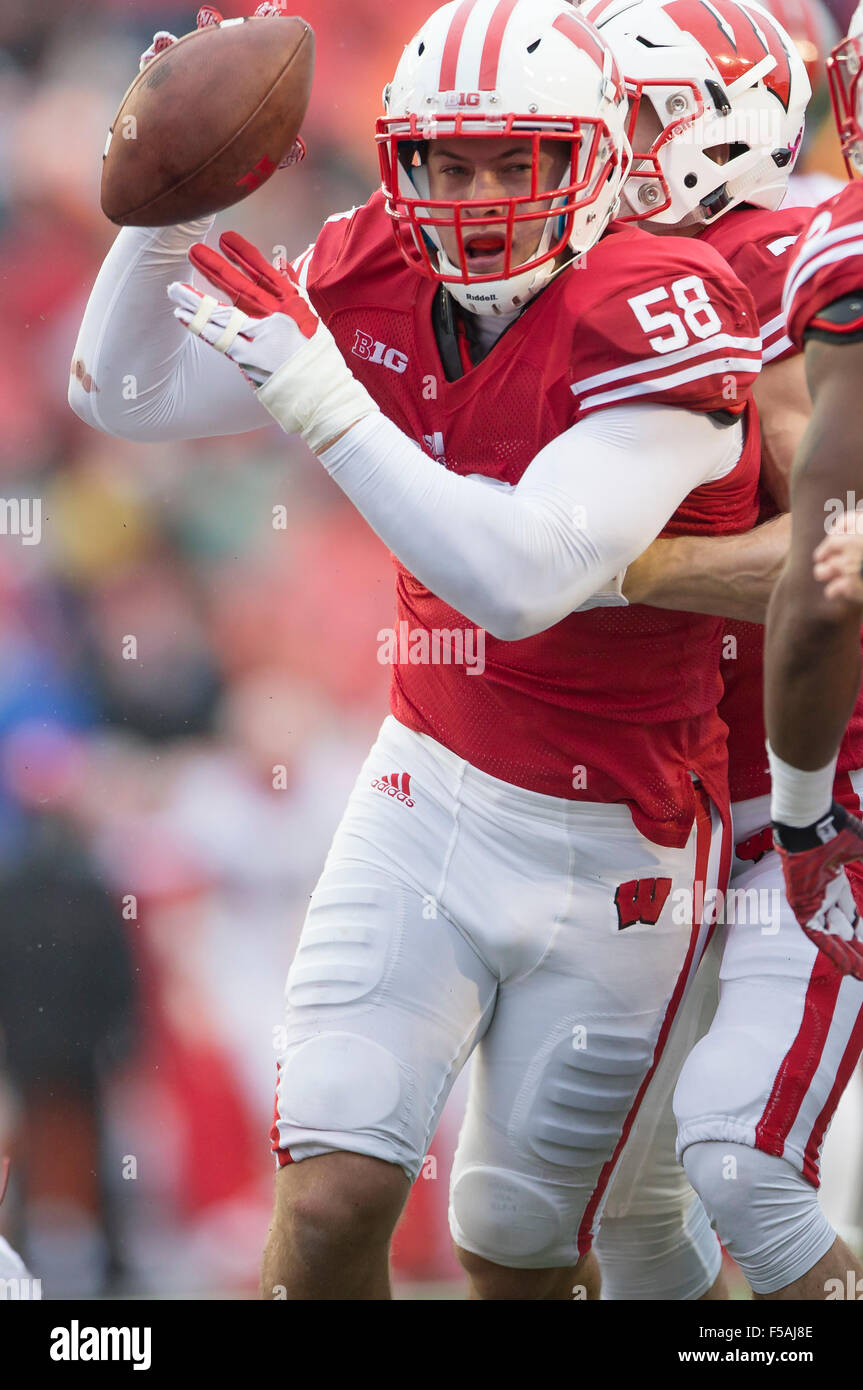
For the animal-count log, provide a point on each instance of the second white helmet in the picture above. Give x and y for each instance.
(718, 93)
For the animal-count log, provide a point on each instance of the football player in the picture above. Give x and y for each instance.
(523, 866)
(718, 95)
(812, 675)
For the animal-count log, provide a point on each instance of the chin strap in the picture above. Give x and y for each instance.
(519, 289)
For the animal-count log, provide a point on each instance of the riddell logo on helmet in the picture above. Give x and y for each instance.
(481, 298)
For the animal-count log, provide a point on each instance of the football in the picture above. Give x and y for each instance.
(208, 121)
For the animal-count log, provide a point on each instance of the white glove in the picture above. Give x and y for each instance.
(276, 339)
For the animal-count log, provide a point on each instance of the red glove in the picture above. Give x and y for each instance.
(817, 887)
(257, 287)
(272, 333)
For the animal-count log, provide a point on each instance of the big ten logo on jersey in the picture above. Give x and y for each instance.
(697, 317)
(366, 347)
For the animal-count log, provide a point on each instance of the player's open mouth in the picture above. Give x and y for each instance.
(485, 253)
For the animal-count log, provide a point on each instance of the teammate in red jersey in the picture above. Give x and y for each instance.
(510, 427)
(812, 675)
(760, 1088)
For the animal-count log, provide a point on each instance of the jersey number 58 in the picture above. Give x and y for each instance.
(699, 317)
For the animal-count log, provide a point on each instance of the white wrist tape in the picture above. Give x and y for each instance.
(315, 393)
(799, 798)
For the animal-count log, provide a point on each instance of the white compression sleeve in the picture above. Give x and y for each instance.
(149, 379)
(517, 560)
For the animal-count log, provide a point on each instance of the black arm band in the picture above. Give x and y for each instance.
(841, 321)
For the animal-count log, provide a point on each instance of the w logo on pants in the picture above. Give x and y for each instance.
(641, 900)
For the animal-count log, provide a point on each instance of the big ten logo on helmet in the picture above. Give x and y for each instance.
(366, 347)
(457, 99)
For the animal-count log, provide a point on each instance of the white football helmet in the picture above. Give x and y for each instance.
(708, 80)
(814, 33)
(504, 68)
(844, 67)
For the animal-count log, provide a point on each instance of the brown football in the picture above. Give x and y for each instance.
(207, 121)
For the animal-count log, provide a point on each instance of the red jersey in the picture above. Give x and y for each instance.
(828, 263)
(762, 248)
(759, 247)
(613, 704)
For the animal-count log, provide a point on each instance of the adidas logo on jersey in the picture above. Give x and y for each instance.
(397, 785)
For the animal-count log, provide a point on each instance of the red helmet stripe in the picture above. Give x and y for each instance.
(449, 62)
(583, 35)
(493, 43)
(779, 80)
(708, 21)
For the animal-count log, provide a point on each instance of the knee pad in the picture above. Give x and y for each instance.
(765, 1213)
(666, 1255)
(510, 1220)
(339, 1081)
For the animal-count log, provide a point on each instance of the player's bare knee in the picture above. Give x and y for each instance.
(339, 1200)
(489, 1282)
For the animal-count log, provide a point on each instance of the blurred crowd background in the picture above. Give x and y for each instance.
(153, 880)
